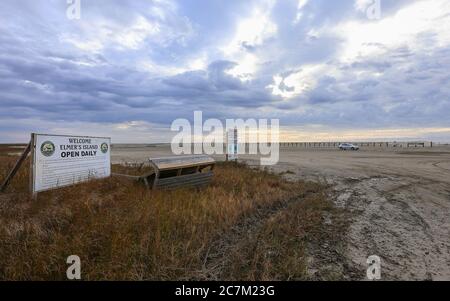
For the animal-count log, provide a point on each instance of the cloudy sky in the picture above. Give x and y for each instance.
(327, 69)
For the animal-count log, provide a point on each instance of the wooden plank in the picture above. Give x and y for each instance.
(155, 181)
(16, 167)
(193, 182)
(177, 162)
(32, 164)
(179, 165)
(127, 176)
(186, 178)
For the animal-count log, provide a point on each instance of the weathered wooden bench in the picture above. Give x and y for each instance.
(179, 171)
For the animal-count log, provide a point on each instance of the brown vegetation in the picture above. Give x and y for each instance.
(248, 224)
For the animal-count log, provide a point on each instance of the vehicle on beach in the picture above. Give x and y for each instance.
(348, 146)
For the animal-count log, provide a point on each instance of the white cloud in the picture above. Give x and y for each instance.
(362, 5)
(364, 39)
(133, 36)
(301, 4)
(199, 62)
(159, 25)
(301, 81)
(247, 66)
(251, 32)
(159, 70)
(101, 34)
(92, 46)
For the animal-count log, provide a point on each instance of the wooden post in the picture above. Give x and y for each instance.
(33, 166)
(156, 169)
(16, 167)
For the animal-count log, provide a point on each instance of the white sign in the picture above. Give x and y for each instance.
(232, 145)
(66, 160)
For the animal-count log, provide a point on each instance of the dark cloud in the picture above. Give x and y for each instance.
(96, 69)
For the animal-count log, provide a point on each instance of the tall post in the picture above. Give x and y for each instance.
(33, 166)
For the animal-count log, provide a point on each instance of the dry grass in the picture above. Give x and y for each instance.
(122, 231)
(277, 249)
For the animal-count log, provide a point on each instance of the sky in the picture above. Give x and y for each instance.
(328, 70)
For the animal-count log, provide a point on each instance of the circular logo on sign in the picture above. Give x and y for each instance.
(104, 148)
(47, 148)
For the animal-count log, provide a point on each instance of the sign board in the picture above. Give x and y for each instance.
(59, 161)
(232, 145)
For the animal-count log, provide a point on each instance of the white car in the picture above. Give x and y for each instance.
(348, 146)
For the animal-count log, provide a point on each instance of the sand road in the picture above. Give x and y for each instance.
(399, 203)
